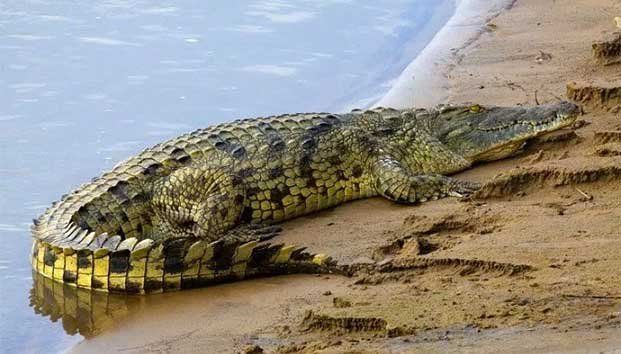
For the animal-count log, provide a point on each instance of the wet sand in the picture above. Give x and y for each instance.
(529, 265)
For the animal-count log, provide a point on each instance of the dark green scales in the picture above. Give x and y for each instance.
(195, 210)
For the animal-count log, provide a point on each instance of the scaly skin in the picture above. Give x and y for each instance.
(194, 210)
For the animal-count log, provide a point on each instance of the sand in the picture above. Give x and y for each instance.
(529, 265)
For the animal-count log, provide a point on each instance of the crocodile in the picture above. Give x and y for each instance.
(200, 208)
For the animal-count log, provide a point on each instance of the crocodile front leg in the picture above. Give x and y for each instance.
(397, 183)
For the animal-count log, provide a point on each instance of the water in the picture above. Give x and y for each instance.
(86, 84)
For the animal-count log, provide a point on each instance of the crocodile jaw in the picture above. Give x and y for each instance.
(517, 135)
(497, 133)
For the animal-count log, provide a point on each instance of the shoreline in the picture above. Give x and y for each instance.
(400, 59)
(424, 82)
(568, 301)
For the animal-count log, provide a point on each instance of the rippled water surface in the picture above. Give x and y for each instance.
(85, 84)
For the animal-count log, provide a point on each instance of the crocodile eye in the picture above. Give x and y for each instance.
(475, 108)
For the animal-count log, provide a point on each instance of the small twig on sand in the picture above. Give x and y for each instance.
(555, 96)
(584, 194)
(513, 86)
(593, 296)
(536, 100)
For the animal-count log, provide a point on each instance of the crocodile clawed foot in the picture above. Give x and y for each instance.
(463, 189)
(251, 232)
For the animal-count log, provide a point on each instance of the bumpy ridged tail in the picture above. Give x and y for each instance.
(131, 266)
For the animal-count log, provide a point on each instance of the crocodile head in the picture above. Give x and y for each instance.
(490, 133)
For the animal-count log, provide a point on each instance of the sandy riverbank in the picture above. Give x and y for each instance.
(473, 292)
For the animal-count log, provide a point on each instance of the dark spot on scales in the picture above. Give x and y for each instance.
(84, 259)
(132, 287)
(277, 194)
(246, 215)
(189, 224)
(300, 255)
(334, 160)
(308, 143)
(213, 138)
(236, 180)
(262, 255)
(49, 257)
(174, 253)
(320, 128)
(189, 283)
(96, 284)
(223, 255)
(177, 153)
(306, 171)
(151, 169)
(139, 198)
(274, 140)
(219, 143)
(332, 118)
(246, 172)
(69, 277)
(276, 172)
(119, 191)
(238, 152)
(119, 261)
(356, 171)
(222, 145)
(152, 285)
(340, 175)
(101, 219)
(276, 144)
(185, 160)
(252, 191)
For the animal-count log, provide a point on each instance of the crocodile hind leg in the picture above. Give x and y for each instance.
(205, 203)
(397, 183)
(197, 202)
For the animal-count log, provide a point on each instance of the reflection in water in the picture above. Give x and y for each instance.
(81, 311)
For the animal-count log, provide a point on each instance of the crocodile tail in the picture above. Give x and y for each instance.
(131, 266)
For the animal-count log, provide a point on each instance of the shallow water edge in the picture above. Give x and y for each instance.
(424, 82)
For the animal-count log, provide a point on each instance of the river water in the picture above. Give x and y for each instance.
(86, 84)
